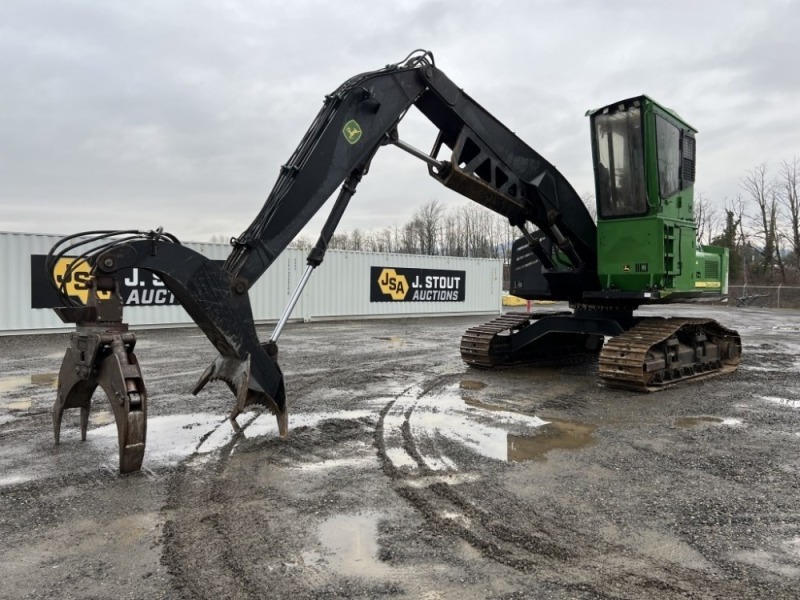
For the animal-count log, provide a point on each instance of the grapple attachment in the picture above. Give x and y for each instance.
(101, 354)
(101, 349)
(236, 373)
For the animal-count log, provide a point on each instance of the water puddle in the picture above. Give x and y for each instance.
(19, 382)
(556, 435)
(11, 384)
(691, 422)
(103, 417)
(339, 463)
(485, 406)
(447, 415)
(394, 340)
(24, 404)
(782, 401)
(350, 546)
(45, 379)
(169, 438)
(468, 384)
(435, 422)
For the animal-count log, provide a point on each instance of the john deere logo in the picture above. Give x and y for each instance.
(352, 131)
(392, 284)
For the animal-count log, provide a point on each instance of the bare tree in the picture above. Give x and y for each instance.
(761, 192)
(732, 236)
(790, 182)
(356, 240)
(504, 235)
(408, 240)
(339, 241)
(705, 217)
(301, 243)
(427, 222)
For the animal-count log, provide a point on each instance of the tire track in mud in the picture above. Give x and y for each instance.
(195, 536)
(205, 551)
(547, 546)
(202, 547)
(445, 507)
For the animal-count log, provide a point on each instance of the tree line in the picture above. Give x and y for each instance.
(469, 230)
(760, 227)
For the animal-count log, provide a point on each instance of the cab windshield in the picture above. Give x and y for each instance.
(619, 165)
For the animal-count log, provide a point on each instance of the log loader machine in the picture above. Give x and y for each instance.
(642, 250)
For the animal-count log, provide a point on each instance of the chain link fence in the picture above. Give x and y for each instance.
(764, 296)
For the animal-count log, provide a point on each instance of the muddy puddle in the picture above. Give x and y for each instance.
(469, 384)
(691, 422)
(555, 435)
(349, 546)
(170, 438)
(16, 383)
(486, 430)
(18, 404)
(20, 382)
(102, 417)
(394, 340)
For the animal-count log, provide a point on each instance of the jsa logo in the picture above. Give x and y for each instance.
(78, 281)
(392, 284)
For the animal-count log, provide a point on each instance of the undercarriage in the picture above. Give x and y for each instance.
(640, 354)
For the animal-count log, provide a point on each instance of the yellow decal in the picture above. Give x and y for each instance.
(392, 284)
(707, 284)
(626, 268)
(79, 279)
(352, 131)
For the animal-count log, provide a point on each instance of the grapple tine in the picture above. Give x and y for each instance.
(237, 374)
(121, 379)
(283, 423)
(204, 379)
(75, 385)
(85, 410)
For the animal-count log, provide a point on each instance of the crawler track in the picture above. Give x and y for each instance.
(476, 343)
(660, 353)
(488, 346)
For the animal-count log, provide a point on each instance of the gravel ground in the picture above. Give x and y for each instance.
(408, 475)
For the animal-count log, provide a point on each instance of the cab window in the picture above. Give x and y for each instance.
(619, 168)
(668, 149)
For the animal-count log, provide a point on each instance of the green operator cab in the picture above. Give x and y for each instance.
(644, 164)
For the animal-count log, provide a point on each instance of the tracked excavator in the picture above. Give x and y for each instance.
(642, 250)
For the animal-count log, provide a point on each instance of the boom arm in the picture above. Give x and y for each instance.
(489, 164)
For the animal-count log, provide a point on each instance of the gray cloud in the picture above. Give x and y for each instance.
(179, 114)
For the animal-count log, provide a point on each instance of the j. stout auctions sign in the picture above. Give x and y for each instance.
(137, 286)
(393, 284)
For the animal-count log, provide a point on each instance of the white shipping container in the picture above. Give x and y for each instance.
(341, 285)
(344, 286)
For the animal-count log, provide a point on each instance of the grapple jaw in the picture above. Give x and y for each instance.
(101, 355)
(237, 373)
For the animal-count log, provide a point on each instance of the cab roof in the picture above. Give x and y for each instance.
(643, 99)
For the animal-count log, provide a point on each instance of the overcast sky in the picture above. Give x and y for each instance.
(140, 114)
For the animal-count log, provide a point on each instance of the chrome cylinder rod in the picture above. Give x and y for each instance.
(287, 312)
(418, 153)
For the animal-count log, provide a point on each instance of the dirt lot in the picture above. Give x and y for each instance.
(408, 475)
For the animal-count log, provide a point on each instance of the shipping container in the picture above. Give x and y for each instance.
(346, 285)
